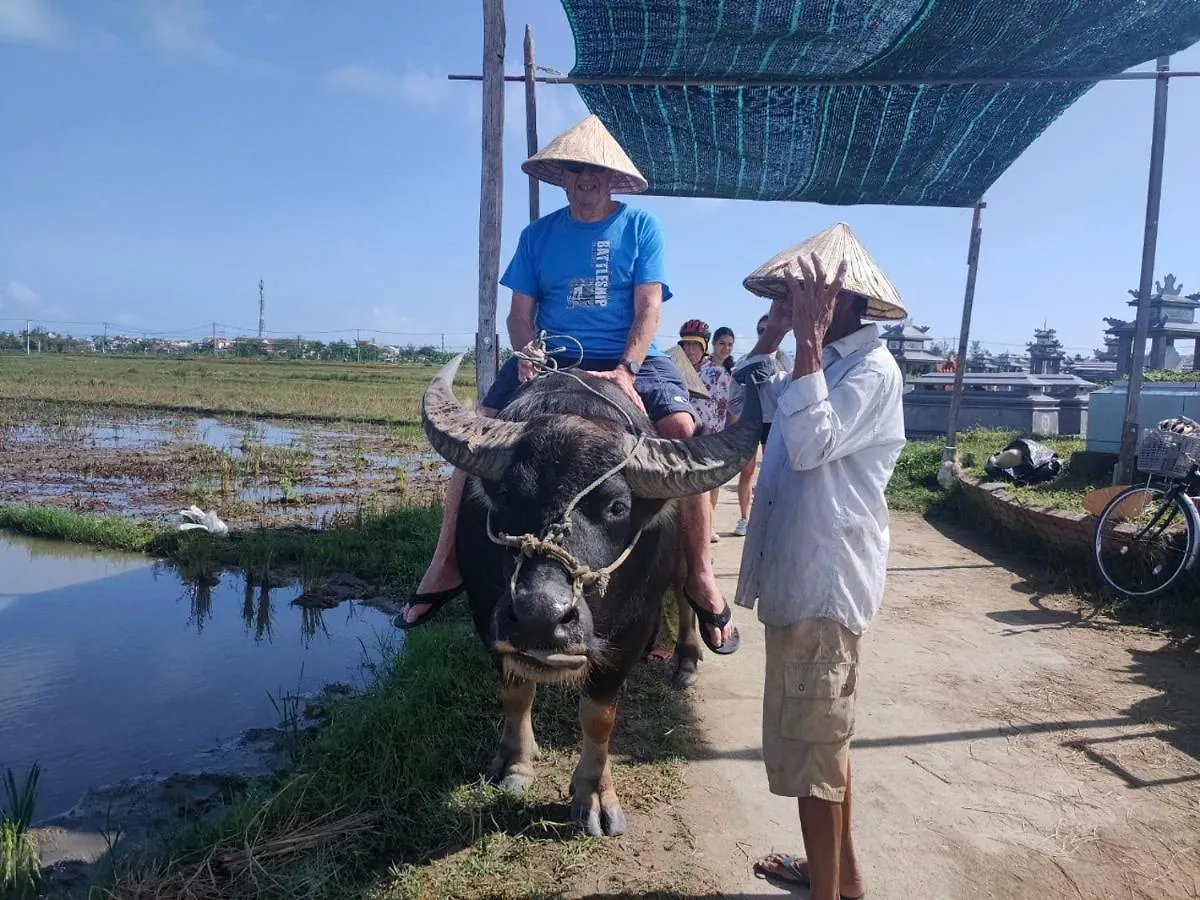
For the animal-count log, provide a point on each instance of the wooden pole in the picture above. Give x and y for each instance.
(531, 138)
(491, 191)
(1123, 473)
(964, 335)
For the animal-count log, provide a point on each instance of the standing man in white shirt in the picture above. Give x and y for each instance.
(815, 558)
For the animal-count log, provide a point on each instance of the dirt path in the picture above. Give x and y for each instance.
(1008, 746)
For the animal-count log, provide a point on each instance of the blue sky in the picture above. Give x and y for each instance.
(161, 156)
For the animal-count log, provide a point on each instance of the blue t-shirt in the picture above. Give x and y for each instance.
(582, 275)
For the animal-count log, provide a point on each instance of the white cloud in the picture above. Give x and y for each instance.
(412, 87)
(31, 22)
(181, 26)
(181, 29)
(17, 293)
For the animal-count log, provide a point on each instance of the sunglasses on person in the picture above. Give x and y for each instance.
(578, 168)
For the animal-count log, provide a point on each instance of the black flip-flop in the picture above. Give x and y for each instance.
(436, 601)
(715, 620)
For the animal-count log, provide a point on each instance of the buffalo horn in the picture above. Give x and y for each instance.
(662, 468)
(465, 439)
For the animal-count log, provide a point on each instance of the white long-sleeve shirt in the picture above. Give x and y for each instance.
(817, 542)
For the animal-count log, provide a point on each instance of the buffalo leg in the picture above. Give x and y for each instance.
(594, 803)
(512, 765)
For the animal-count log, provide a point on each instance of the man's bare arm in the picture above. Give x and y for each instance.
(520, 320)
(647, 311)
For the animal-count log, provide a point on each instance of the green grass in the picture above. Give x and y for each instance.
(297, 390)
(60, 524)
(386, 800)
(20, 866)
(394, 546)
(914, 484)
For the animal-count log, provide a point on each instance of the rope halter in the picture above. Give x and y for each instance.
(552, 544)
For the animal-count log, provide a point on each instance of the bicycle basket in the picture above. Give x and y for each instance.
(1168, 454)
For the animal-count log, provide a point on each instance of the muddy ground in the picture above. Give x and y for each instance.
(1010, 742)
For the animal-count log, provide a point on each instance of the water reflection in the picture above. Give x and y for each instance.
(111, 666)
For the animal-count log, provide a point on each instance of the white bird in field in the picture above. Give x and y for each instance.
(194, 517)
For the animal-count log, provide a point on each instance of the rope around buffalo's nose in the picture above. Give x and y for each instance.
(551, 544)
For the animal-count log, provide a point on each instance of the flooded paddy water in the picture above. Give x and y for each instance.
(111, 666)
(114, 666)
(252, 472)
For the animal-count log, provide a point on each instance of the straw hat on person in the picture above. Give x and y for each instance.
(586, 142)
(831, 246)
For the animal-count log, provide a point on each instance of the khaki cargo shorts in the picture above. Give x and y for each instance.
(808, 708)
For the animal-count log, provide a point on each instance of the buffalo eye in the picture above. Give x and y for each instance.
(618, 509)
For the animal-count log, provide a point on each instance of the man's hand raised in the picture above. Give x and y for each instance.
(813, 300)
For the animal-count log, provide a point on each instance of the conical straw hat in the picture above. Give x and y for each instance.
(586, 142)
(863, 276)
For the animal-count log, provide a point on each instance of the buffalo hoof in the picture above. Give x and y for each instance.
(516, 783)
(597, 815)
(686, 673)
(512, 773)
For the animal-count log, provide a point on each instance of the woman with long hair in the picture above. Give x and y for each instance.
(720, 410)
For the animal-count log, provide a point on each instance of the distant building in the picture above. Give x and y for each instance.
(908, 344)
(1172, 318)
(1046, 352)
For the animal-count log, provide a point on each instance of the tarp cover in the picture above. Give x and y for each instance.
(902, 145)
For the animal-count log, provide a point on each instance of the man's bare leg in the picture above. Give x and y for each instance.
(695, 522)
(443, 572)
(831, 864)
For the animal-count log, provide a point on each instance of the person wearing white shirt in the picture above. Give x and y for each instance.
(816, 550)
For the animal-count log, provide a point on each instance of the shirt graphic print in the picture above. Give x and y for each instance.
(593, 291)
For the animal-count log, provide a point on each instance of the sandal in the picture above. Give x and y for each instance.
(436, 601)
(784, 867)
(715, 620)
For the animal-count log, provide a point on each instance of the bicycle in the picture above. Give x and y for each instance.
(1148, 535)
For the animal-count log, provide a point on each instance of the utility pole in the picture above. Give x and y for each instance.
(262, 301)
(104, 346)
(27, 324)
(1123, 473)
(358, 343)
(214, 338)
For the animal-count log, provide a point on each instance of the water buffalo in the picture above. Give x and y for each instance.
(568, 540)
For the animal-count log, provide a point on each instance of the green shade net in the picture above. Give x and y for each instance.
(930, 145)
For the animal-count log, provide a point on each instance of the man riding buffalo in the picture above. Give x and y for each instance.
(592, 274)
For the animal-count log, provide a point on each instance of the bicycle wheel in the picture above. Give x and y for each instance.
(1145, 539)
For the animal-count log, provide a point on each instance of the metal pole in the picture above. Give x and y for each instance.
(491, 193)
(655, 81)
(964, 335)
(531, 138)
(1123, 474)
(27, 324)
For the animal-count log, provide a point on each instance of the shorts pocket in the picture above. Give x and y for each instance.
(818, 702)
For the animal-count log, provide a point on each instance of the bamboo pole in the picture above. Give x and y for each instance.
(531, 136)
(1123, 473)
(491, 191)
(964, 335)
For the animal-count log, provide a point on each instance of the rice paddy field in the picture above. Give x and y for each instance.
(261, 443)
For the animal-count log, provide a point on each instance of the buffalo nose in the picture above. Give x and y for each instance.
(535, 619)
